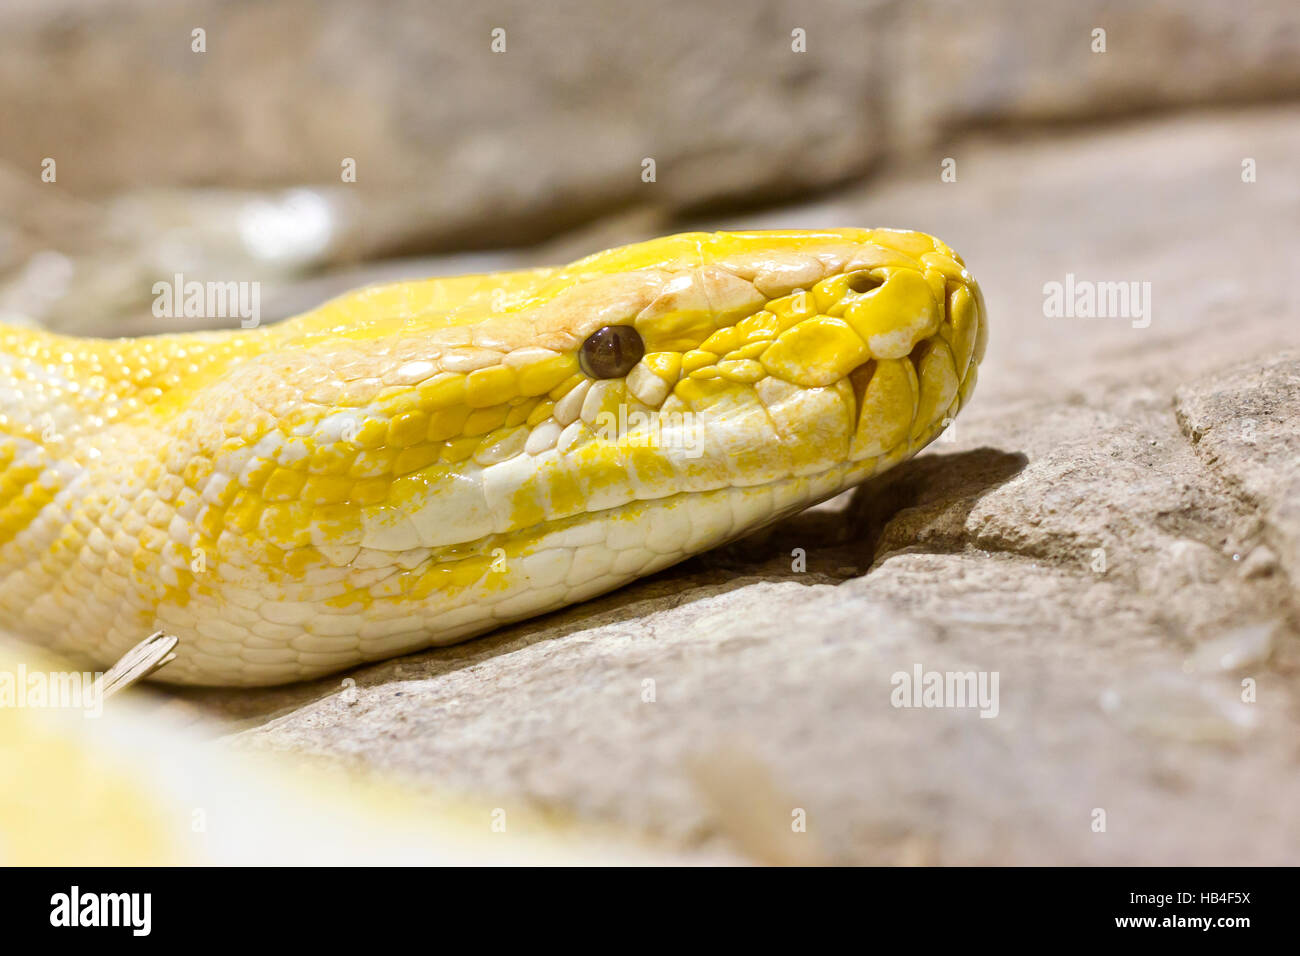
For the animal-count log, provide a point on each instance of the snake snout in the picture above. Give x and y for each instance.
(855, 317)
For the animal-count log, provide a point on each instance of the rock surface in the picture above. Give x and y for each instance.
(1111, 528)
(282, 90)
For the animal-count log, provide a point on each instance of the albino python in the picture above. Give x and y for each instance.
(416, 463)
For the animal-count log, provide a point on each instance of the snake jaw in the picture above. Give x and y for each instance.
(414, 464)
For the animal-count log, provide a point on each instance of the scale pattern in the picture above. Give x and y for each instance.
(416, 463)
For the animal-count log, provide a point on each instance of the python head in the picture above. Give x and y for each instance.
(417, 463)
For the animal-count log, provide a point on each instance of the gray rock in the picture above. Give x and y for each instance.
(453, 143)
(1243, 424)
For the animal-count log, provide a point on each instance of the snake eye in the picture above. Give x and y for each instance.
(611, 352)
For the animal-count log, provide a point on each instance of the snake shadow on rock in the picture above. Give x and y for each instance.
(843, 537)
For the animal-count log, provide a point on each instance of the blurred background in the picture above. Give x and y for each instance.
(220, 153)
(1111, 526)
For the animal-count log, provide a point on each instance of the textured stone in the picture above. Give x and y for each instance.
(1098, 530)
(414, 92)
(453, 143)
(1017, 62)
(1243, 424)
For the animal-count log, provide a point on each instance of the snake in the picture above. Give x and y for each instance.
(419, 462)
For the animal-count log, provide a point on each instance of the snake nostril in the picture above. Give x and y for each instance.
(864, 282)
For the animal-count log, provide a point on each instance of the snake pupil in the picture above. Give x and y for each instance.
(611, 352)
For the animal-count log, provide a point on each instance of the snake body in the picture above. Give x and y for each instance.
(416, 463)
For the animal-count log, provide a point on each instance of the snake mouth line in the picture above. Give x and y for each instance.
(524, 538)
